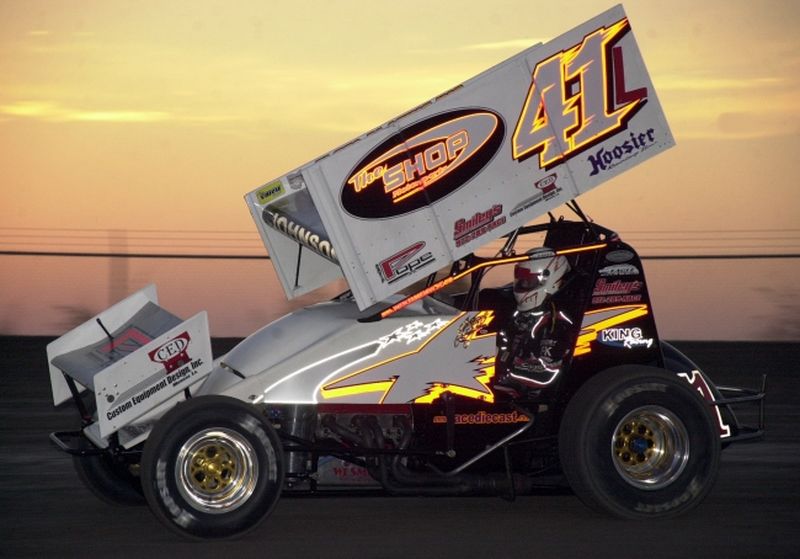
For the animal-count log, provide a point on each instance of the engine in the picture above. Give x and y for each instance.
(381, 448)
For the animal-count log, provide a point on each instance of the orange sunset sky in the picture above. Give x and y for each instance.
(148, 121)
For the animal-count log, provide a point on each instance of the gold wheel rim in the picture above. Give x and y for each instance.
(650, 447)
(216, 470)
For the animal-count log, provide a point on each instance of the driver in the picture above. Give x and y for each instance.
(531, 346)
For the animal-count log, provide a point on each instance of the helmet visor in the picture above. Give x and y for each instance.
(525, 280)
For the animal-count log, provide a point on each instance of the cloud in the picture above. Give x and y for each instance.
(692, 83)
(28, 109)
(733, 124)
(44, 110)
(118, 116)
(743, 124)
(513, 45)
(392, 83)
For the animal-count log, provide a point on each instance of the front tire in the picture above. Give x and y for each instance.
(639, 442)
(212, 468)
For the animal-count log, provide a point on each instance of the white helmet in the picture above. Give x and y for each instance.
(538, 277)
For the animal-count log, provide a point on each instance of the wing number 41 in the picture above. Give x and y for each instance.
(577, 98)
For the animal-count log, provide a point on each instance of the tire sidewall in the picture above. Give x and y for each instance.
(110, 482)
(597, 418)
(160, 482)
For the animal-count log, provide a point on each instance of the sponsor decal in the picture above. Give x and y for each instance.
(604, 159)
(268, 193)
(484, 418)
(349, 472)
(577, 98)
(172, 379)
(619, 270)
(598, 320)
(619, 256)
(547, 188)
(616, 287)
(617, 299)
(616, 292)
(335, 471)
(422, 163)
(303, 235)
(466, 230)
(172, 354)
(403, 263)
(628, 338)
(473, 328)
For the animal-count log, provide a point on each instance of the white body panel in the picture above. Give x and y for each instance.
(323, 355)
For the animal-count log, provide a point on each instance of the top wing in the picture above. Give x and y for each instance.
(467, 167)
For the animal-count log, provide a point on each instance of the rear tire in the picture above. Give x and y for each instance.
(639, 442)
(212, 468)
(109, 481)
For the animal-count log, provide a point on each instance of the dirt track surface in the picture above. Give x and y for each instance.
(753, 511)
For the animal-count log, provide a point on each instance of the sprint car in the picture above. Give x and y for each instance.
(393, 385)
(402, 399)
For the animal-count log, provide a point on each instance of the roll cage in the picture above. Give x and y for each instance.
(571, 238)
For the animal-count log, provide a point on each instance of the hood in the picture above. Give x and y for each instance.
(290, 334)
